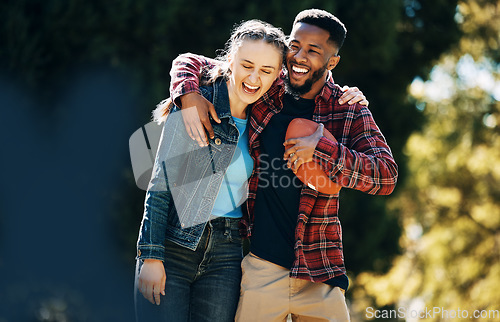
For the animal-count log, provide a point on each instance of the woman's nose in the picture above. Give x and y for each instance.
(253, 77)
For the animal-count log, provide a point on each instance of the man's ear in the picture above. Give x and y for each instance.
(333, 61)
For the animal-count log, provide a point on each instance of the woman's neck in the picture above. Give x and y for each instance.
(238, 108)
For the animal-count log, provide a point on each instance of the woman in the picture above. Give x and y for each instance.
(189, 248)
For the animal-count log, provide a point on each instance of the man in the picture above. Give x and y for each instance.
(296, 263)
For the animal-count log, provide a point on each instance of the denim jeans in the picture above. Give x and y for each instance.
(201, 285)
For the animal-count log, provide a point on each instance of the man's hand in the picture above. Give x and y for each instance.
(302, 149)
(353, 95)
(197, 120)
(152, 280)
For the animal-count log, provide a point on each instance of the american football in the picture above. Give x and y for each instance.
(311, 173)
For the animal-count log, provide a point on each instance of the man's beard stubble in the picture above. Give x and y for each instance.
(297, 91)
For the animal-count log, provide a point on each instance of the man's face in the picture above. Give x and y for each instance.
(308, 60)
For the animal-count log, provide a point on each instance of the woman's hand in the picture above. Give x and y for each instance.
(352, 95)
(152, 280)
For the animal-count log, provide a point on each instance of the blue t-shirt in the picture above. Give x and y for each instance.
(234, 187)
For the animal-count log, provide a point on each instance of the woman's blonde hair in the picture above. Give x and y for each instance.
(247, 30)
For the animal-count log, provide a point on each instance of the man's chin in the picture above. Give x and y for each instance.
(296, 84)
(297, 88)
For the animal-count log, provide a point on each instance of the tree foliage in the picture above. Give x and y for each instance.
(450, 204)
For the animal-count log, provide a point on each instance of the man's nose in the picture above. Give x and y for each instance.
(300, 55)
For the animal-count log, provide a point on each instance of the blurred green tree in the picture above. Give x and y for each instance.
(450, 203)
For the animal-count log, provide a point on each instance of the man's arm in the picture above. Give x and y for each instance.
(186, 73)
(366, 164)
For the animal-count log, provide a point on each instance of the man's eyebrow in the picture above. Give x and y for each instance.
(316, 46)
(312, 45)
(251, 62)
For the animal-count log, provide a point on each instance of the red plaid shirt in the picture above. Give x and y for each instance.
(361, 160)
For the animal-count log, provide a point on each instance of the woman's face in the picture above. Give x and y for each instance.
(254, 67)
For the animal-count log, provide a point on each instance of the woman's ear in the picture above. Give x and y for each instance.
(229, 65)
(230, 61)
(278, 74)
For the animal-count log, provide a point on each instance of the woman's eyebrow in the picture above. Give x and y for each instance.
(251, 62)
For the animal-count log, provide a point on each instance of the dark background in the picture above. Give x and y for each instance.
(77, 78)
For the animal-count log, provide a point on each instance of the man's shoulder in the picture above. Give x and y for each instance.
(273, 97)
(330, 95)
(327, 98)
(331, 90)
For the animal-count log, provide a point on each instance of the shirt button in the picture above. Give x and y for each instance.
(217, 141)
(139, 253)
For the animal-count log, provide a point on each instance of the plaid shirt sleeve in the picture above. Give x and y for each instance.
(361, 159)
(186, 73)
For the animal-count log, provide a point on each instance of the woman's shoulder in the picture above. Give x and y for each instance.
(207, 91)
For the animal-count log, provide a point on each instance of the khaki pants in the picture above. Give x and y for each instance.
(269, 294)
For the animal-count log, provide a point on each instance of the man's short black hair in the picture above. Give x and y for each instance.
(324, 20)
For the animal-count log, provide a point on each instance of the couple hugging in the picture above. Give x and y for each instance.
(235, 112)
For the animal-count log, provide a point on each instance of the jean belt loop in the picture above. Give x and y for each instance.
(227, 226)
